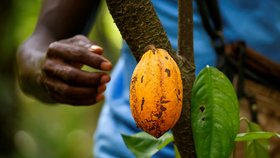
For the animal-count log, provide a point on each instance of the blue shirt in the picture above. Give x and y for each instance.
(256, 22)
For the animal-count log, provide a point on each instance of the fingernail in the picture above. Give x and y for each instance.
(105, 79)
(99, 97)
(96, 49)
(106, 65)
(101, 88)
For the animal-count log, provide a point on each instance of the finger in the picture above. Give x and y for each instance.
(100, 97)
(101, 89)
(96, 49)
(74, 76)
(67, 91)
(78, 40)
(78, 54)
(105, 79)
(72, 101)
(83, 41)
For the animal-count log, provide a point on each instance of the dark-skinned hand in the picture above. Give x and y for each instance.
(63, 78)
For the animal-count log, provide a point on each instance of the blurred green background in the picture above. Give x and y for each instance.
(28, 128)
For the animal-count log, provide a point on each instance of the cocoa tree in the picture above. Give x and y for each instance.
(132, 17)
(140, 27)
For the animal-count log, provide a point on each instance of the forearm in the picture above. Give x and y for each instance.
(66, 18)
(58, 20)
(30, 57)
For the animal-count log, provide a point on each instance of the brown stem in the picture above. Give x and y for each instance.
(182, 131)
(185, 29)
(140, 27)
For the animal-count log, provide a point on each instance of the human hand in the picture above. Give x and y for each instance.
(63, 78)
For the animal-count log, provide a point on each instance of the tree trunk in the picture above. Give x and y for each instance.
(140, 27)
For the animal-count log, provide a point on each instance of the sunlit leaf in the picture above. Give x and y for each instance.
(143, 145)
(214, 114)
(257, 148)
(249, 136)
(177, 154)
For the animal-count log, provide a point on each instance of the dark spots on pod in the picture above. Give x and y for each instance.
(177, 95)
(160, 112)
(159, 133)
(133, 90)
(134, 80)
(179, 99)
(168, 72)
(158, 115)
(156, 128)
(142, 103)
(142, 79)
(203, 119)
(152, 125)
(152, 128)
(163, 100)
(162, 108)
(166, 57)
(201, 108)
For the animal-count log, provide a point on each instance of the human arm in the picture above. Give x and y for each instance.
(49, 61)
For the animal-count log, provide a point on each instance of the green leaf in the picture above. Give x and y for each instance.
(177, 154)
(214, 114)
(253, 127)
(249, 136)
(257, 148)
(143, 145)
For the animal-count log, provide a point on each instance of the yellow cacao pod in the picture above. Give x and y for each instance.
(156, 92)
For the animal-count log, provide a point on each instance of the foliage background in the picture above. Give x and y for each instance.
(28, 128)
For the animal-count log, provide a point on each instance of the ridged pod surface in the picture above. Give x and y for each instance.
(156, 92)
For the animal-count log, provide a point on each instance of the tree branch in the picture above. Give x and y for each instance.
(185, 29)
(182, 131)
(139, 25)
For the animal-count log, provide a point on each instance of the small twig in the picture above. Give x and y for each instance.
(185, 29)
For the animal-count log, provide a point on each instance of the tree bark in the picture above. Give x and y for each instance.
(182, 131)
(140, 26)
